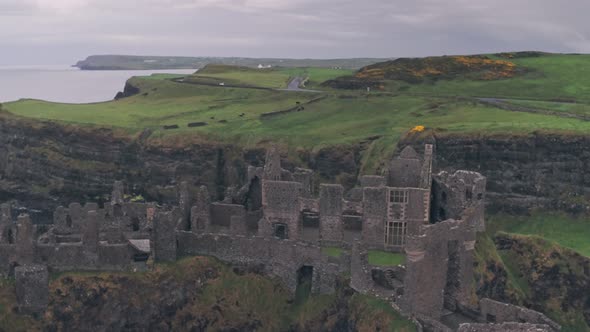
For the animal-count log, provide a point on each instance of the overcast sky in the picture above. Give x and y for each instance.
(63, 31)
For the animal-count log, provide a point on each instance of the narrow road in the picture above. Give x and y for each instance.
(294, 85)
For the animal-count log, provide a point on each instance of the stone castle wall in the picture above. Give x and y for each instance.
(282, 258)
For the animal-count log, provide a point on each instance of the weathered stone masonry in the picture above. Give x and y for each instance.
(276, 222)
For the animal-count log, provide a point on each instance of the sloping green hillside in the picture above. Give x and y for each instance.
(540, 261)
(537, 76)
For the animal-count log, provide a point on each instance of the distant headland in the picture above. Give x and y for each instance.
(132, 62)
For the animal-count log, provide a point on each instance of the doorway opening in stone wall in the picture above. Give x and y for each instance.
(135, 224)
(452, 286)
(8, 235)
(254, 196)
(304, 283)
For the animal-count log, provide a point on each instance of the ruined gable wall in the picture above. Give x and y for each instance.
(405, 173)
(280, 202)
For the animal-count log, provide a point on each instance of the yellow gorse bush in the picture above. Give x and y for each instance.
(418, 129)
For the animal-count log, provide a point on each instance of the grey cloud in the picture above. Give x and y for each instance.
(64, 30)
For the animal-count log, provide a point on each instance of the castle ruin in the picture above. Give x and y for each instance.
(276, 221)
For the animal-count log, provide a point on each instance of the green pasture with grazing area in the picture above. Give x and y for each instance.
(164, 102)
(241, 76)
(234, 115)
(558, 107)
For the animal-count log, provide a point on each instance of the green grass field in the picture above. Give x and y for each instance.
(567, 231)
(272, 78)
(561, 107)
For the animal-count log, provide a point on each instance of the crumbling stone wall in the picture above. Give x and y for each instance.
(360, 277)
(282, 258)
(185, 204)
(374, 216)
(498, 312)
(222, 214)
(331, 207)
(504, 327)
(428, 261)
(417, 210)
(32, 288)
(7, 259)
(272, 165)
(372, 181)
(305, 177)
(25, 248)
(90, 235)
(200, 212)
(454, 193)
(164, 237)
(7, 227)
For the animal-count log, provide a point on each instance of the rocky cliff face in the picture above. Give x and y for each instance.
(43, 165)
(540, 170)
(536, 273)
(46, 165)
